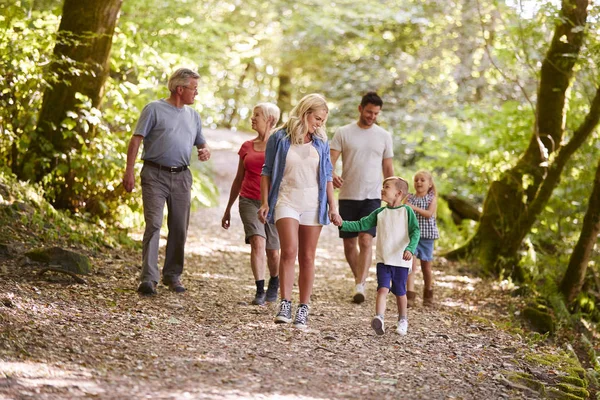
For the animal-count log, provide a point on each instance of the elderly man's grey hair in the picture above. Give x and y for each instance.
(181, 77)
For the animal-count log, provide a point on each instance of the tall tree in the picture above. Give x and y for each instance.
(77, 74)
(514, 201)
(574, 277)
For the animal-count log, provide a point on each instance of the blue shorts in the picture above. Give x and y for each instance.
(396, 275)
(425, 249)
(353, 210)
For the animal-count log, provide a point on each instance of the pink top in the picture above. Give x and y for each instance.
(253, 162)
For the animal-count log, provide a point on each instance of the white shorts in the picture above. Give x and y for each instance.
(310, 217)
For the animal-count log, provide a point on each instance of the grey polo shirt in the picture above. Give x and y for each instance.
(169, 133)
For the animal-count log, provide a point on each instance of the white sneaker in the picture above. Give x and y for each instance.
(402, 327)
(359, 293)
(378, 325)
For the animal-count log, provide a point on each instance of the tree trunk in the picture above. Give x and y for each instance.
(514, 202)
(574, 278)
(80, 65)
(284, 94)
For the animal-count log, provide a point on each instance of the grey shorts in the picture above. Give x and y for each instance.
(252, 226)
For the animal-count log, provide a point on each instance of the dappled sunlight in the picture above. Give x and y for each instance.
(209, 276)
(34, 375)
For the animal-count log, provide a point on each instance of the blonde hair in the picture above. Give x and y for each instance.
(181, 77)
(297, 127)
(269, 110)
(400, 183)
(428, 175)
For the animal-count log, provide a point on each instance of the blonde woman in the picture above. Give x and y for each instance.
(297, 195)
(262, 238)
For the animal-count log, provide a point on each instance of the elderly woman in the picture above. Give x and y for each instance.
(297, 194)
(262, 237)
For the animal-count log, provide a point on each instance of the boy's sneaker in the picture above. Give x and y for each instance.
(301, 319)
(378, 325)
(259, 299)
(359, 293)
(272, 289)
(284, 316)
(402, 327)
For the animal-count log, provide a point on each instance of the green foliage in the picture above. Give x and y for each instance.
(25, 45)
(29, 219)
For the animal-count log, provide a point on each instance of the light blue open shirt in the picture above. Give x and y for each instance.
(278, 146)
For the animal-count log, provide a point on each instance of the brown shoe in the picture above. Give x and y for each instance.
(411, 298)
(428, 297)
(174, 285)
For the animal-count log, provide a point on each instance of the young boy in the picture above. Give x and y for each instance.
(397, 238)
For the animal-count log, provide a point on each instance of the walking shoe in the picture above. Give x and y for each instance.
(174, 285)
(284, 316)
(428, 297)
(378, 325)
(147, 288)
(259, 299)
(359, 293)
(402, 327)
(301, 319)
(272, 289)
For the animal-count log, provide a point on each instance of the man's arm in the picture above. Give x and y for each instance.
(387, 165)
(132, 151)
(337, 180)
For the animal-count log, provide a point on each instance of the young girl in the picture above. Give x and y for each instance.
(424, 204)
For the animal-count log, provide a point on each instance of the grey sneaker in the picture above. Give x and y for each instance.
(272, 289)
(259, 299)
(402, 327)
(378, 325)
(301, 319)
(147, 288)
(359, 293)
(284, 316)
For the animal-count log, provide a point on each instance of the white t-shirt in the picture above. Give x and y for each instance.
(363, 152)
(300, 183)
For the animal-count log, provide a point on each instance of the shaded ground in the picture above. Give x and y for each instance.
(102, 340)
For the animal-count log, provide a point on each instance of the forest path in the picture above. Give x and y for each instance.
(104, 341)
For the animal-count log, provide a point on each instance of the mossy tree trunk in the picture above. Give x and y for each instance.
(574, 278)
(284, 94)
(80, 67)
(514, 201)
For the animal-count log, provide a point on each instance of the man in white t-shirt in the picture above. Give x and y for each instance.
(367, 158)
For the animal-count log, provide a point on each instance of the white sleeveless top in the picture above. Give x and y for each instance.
(300, 183)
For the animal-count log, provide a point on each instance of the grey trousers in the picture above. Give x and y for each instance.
(174, 189)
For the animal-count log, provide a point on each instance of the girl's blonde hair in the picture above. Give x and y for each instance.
(428, 175)
(269, 110)
(297, 126)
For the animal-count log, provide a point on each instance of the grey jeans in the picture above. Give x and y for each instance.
(174, 189)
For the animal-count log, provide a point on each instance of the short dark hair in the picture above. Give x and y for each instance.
(371, 98)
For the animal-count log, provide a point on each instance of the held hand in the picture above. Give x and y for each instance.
(226, 220)
(337, 181)
(128, 180)
(335, 218)
(407, 256)
(204, 154)
(262, 213)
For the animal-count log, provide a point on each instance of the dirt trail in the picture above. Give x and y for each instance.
(104, 341)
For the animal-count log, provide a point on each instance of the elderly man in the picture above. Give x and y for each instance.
(169, 129)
